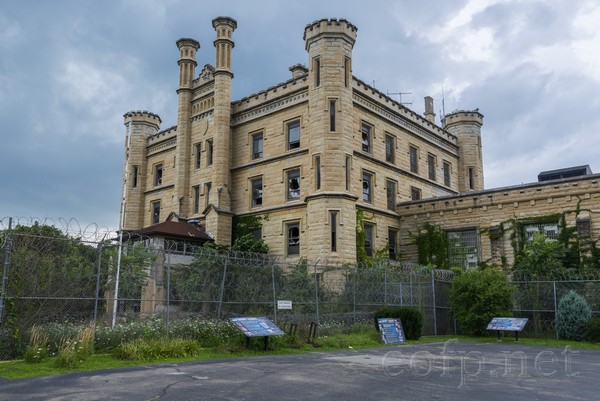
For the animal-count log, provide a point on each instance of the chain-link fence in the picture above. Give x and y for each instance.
(538, 300)
(50, 277)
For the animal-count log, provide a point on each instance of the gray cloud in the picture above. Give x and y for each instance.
(69, 70)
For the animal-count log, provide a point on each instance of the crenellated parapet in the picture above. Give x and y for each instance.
(142, 117)
(329, 27)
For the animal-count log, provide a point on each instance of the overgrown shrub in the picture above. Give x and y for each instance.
(572, 317)
(411, 318)
(73, 351)
(477, 296)
(157, 349)
(592, 334)
(37, 350)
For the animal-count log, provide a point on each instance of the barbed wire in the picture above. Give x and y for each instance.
(71, 227)
(565, 275)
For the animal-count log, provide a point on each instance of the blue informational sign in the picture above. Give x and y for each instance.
(390, 330)
(256, 326)
(507, 323)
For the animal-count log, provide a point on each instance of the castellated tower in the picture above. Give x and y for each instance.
(187, 65)
(330, 203)
(466, 126)
(219, 217)
(139, 126)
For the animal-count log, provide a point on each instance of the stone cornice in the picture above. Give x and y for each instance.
(398, 120)
(159, 188)
(160, 147)
(326, 194)
(272, 106)
(260, 162)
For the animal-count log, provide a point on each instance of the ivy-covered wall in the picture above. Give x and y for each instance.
(501, 217)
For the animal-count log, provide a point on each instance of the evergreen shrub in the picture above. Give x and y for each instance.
(572, 317)
(592, 333)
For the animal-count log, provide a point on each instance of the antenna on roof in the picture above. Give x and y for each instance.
(399, 94)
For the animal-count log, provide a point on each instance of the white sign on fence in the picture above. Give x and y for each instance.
(284, 304)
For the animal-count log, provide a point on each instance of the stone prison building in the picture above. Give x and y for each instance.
(313, 151)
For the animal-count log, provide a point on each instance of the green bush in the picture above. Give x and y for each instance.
(477, 296)
(411, 318)
(592, 334)
(572, 317)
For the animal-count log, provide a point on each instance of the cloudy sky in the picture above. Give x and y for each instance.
(69, 70)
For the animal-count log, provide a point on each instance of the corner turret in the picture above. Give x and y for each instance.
(466, 126)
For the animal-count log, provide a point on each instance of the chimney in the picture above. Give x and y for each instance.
(429, 114)
(298, 70)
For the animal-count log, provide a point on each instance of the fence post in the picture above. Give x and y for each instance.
(97, 282)
(168, 258)
(354, 294)
(274, 296)
(385, 285)
(222, 289)
(555, 308)
(317, 297)
(6, 266)
(433, 299)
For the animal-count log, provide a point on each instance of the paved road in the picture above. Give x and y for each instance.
(439, 371)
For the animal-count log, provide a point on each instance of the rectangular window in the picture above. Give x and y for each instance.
(158, 174)
(392, 242)
(347, 71)
(447, 174)
(348, 166)
(136, 171)
(257, 192)
(293, 135)
(369, 239)
(462, 248)
(414, 162)
(293, 238)
(431, 166)
(257, 233)
(155, 212)
(196, 199)
(415, 193)
(332, 115)
(317, 68)
(389, 149)
(391, 194)
(471, 178)
(209, 152)
(366, 138)
(333, 225)
(367, 187)
(257, 146)
(317, 172)
(207, 187)
(198, 150)
(293, 183)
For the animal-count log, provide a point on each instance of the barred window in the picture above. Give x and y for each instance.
(548, 230)
(293, 238)
(463, 250)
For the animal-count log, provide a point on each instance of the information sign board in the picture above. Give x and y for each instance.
(390, 330)
(256, 326)
(507, 323)
(284, 304)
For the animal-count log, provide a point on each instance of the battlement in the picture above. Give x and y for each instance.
(463, 116)
(329, 27)
(142, 117)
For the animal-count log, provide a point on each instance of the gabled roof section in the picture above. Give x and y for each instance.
(175, 229)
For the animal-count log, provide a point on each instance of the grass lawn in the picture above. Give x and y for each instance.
(18, 369)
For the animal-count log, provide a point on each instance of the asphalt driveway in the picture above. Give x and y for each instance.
(438, 371)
